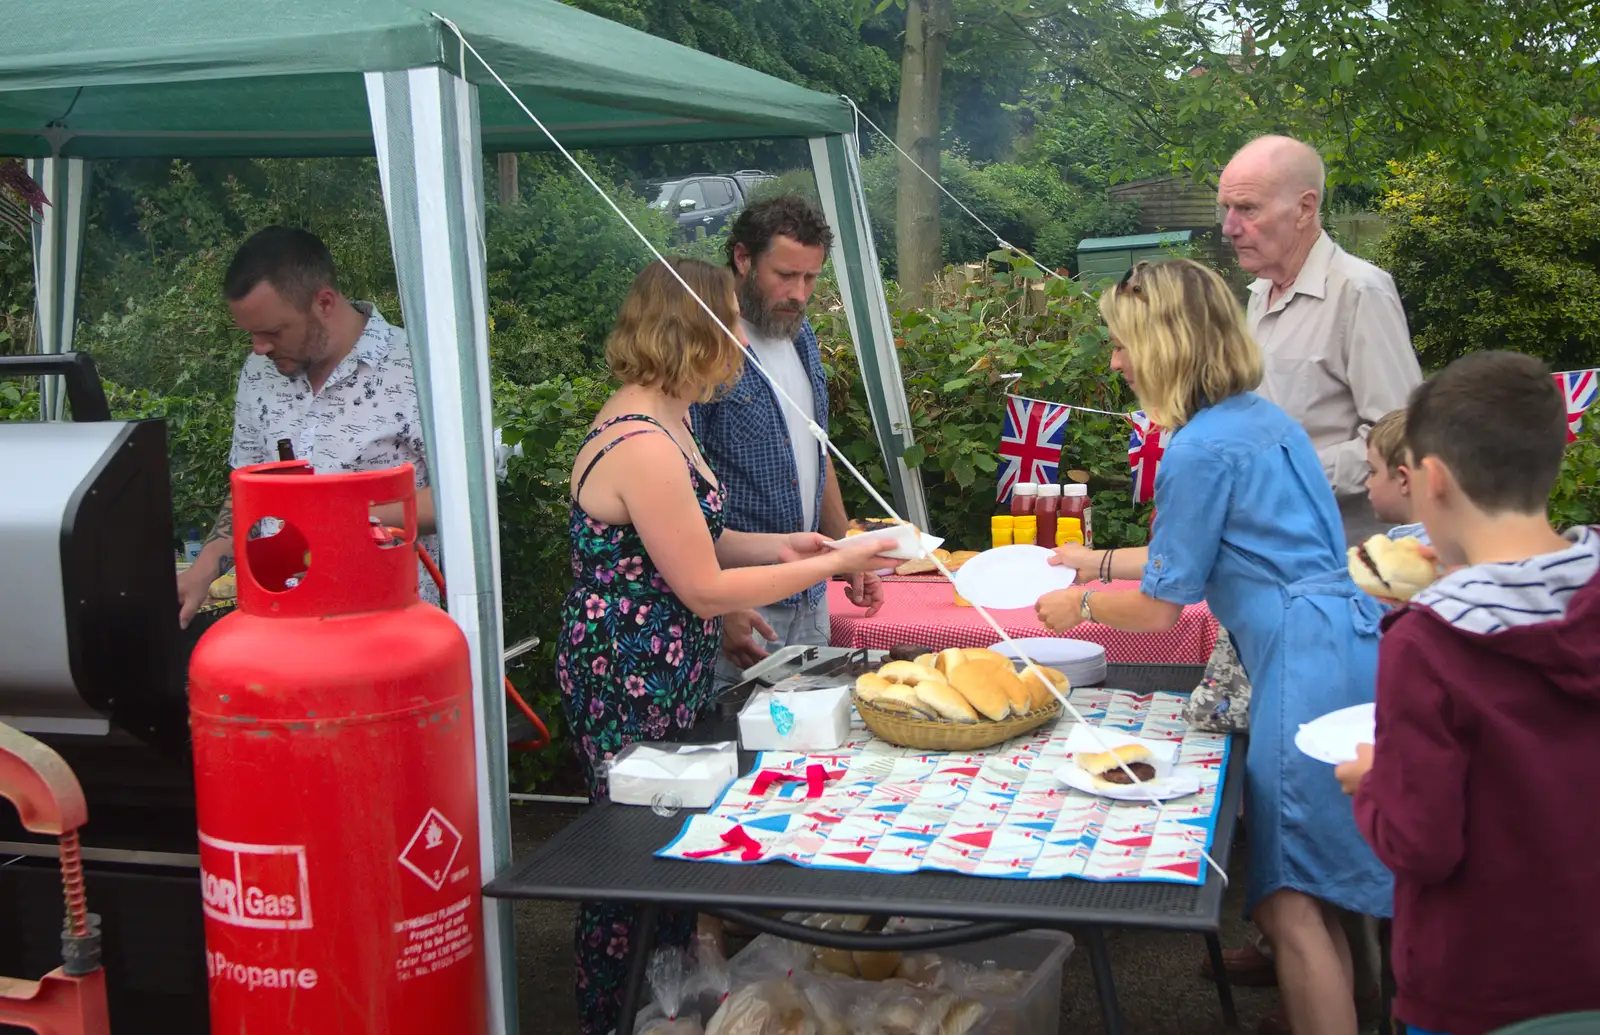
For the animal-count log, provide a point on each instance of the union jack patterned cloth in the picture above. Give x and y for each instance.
(1145, 448)
(1031, 438)
(999, 812)
(1579, 387)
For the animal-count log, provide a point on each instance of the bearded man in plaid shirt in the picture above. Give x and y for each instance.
(776, 477)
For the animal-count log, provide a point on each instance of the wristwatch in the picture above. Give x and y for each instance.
(1083, 606)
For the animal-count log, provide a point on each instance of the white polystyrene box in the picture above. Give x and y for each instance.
(695, 774)
(820, 720)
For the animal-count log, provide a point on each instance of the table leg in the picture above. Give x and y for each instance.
(1100, 960)
(642, 941)
(1219, 973)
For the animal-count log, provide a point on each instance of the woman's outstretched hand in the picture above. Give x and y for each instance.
(1084, 561)
(802, 545)
(850, 559)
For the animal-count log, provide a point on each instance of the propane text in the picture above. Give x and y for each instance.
(253, 977)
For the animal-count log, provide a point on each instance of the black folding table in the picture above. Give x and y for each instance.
(607, 855)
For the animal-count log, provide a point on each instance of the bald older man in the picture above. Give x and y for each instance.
(1338, 353)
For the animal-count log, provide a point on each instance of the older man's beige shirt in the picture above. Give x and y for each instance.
(1338, 355)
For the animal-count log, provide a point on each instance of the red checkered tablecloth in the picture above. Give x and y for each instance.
(923, 611)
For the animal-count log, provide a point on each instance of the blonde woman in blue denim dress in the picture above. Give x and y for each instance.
(1245, 521)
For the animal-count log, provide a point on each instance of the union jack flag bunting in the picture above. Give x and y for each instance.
(1579, 388)
(1030, 442)
(1145, 447)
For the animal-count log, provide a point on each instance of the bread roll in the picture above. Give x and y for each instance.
(993, 657)
(923, 565)
(958, 558)
(1100, 762)
(949, 660)
(962, 1017)
(876, 966)
(909, 673)
(1015, 690)
(837, 961)
(902, 698)
(1038, 692)
(982, 689)
(860, 525)
(945, 701)
(869, 685)
(928, 661)
(1394, 569)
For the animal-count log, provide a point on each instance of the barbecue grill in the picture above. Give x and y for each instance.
(93, 663)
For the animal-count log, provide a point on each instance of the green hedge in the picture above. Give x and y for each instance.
(955, 355)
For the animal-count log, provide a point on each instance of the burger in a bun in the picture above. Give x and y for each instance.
(1107, 766)
(1392, 569)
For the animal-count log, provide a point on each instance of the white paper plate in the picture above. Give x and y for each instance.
(1333, 737)
(1170, 781)
(900, 542)
(1054, 651)
(1010, 577)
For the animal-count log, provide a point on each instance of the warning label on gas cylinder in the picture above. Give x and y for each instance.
(432, 849)
(267, 887)
(434, 941)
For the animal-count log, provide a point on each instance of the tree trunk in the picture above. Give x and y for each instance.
(508, 179)
(917, 243)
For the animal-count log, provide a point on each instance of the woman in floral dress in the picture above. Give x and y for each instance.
(654, 569)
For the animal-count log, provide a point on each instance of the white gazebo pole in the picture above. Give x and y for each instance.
(425, 124)
(855, 264)
(57, 264)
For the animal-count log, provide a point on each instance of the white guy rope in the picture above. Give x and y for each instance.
(811, 424)
(1001, 241)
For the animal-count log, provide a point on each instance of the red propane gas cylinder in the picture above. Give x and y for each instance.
(335, 776)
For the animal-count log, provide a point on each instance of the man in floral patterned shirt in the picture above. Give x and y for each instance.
(331, 377)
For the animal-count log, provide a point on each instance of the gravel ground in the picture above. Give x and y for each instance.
(1157, 975)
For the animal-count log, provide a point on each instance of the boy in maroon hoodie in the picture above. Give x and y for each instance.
(1479, 795)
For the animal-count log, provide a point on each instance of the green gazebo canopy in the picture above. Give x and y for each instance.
(284, 77)
(90, 79)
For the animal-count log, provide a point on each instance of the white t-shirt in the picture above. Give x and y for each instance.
(781, 361)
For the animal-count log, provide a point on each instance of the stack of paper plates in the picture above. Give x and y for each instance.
(1082, 662)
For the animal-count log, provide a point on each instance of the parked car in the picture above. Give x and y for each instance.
(706, 202)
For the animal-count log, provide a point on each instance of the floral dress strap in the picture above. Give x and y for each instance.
(577, 490)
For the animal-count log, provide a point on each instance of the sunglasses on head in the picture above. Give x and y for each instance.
(1130, 279)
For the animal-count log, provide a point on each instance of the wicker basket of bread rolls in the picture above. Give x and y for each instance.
(955, 700)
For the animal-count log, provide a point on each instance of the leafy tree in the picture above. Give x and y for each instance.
(820, 44)
(1482, 83)
(1528, 281)
(917, 131)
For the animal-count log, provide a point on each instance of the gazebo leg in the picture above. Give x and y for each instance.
(425, 125)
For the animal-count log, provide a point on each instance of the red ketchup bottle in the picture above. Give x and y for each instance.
(1075, 504)
(1023, 498)
(1046, 509)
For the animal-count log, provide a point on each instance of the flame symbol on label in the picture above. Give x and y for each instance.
(434, 836)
